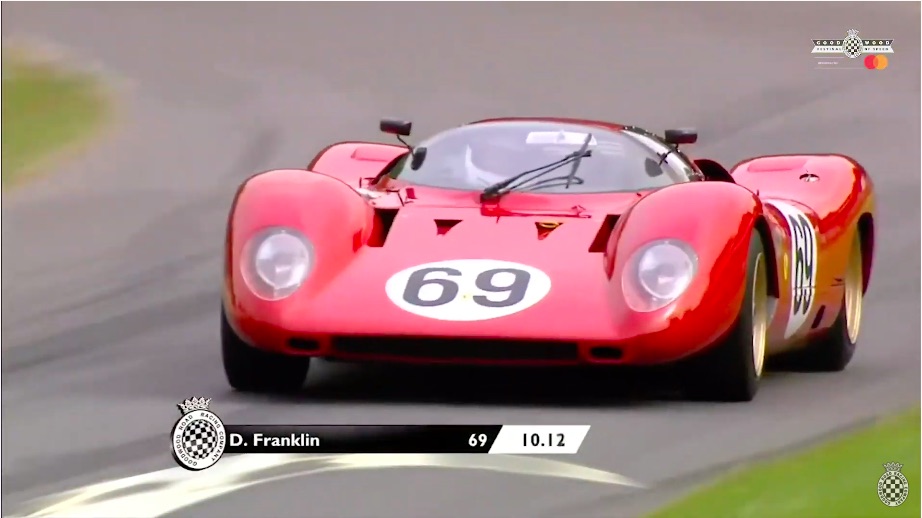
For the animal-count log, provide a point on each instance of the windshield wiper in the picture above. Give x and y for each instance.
(580, 153)
(505, 186)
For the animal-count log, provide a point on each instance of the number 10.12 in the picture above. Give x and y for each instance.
(537, 440)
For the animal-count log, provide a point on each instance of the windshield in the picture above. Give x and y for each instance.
(479, 155)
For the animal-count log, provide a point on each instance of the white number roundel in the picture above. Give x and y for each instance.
(466, 290)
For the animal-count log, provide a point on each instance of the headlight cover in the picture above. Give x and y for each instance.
(658, 274)
(276, 262)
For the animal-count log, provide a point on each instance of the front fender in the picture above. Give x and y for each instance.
(716, 219)
(332, 215)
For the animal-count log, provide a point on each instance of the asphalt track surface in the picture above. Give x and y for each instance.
(112, 266)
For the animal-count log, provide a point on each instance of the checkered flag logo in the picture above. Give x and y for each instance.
(198, 438)
(892, 487)
(852, 46)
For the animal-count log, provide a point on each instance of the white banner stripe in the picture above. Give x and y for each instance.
(539, 439)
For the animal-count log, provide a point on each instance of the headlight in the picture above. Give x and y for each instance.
(276, 262)
(658, 274)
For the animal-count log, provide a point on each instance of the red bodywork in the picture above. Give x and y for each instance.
(342, 311)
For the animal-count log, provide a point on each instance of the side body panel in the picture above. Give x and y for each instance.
(717, 220)
(813, 204)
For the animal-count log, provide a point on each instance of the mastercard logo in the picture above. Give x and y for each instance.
(878, 62)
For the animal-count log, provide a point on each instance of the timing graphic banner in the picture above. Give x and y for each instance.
(199, 438)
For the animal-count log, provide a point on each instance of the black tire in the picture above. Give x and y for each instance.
(833, 350)
(727, 372)
(251, 370)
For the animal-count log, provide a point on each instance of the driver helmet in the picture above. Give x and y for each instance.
(493, 158)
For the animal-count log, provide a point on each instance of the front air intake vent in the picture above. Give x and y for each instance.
(455, 349)
(384, 220)
(601, 238)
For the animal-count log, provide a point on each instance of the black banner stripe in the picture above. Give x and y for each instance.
(329, 439)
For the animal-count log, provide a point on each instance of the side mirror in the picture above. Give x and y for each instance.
(396, 127)
(680, 136)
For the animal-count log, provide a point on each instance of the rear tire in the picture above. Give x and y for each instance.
(251, 370)
(833, 350)
(731, 370)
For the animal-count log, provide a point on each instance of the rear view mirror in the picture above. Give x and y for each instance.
(417, 157)
(396, 127)
(680, 136)
(652, 168)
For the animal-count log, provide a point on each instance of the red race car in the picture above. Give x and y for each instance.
(547, 241)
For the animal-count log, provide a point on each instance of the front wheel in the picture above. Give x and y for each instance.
(251, 370)
(731, 370)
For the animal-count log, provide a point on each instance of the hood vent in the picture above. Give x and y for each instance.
(384, 220)
(546, 227)
(442, 226)
(601, 238)
(777, 164)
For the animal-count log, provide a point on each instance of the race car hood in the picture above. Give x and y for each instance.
(438, 218)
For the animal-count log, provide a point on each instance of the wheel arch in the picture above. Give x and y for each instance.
(866, 235)
(774, 281)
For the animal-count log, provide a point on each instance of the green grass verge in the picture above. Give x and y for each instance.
(45, 110)
(836, 479)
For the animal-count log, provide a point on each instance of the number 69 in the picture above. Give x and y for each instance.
(477, 440)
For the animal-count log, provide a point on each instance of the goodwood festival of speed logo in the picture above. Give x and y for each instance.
(851, 46)
(198, 438)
